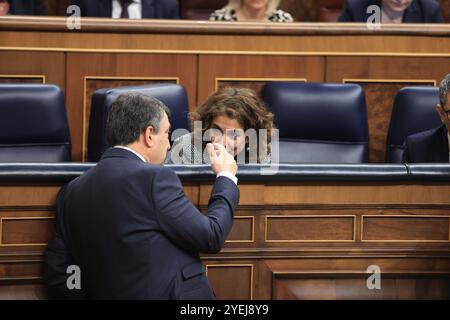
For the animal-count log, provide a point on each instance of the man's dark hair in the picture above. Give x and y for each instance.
(444, 89)
(130, 115)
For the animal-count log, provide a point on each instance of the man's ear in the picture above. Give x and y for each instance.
(149, 136)
(441, 113)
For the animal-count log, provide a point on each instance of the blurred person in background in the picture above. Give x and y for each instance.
(22, 7)
(128, 9)
(393, 11)
(252, 10)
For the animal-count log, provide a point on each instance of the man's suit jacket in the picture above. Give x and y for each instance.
(27, 7)
(427, 146)
(151, 9)
(130, 228)
(426, 11)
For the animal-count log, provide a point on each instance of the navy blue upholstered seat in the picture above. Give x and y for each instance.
(172, 95)
(413, 112)
(319, 122)
(33, 124)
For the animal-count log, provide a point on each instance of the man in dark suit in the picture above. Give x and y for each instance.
(432, 145)
(23, 7)
(127, 224)
(134, 9)
(405, 11)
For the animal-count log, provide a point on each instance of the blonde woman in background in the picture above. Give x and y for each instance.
(252, 10)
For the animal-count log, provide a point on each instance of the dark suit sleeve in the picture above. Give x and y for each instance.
(58, 258)
(183, 223)
(346, 14)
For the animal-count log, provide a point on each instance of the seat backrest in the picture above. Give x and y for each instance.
(33, 124)
(330, 10)
(413, 112)
(172, 95)
(319, 122)
(199, 9)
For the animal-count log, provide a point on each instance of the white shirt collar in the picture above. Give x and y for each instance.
(134, 10)
(133, 151)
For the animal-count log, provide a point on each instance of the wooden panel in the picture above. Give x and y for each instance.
(345, 193)
(192, 193)
(51, 65)
(22, 79)
(250, 83)
(338, 193)
(317, 269)
(25, 231)
(346, 278)
(386, 68)
(310, 228)
(249, 194)
(22, 292)
(243, 230)
(223, 281)
(355, 288)
(21, 270)
(28, 195)
(405, 228)
(82, 65)
(264, 68)
(190, 37)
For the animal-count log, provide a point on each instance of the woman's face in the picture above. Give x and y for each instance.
(397, 5)
(229, 133)
(256, 4)
(4, 8)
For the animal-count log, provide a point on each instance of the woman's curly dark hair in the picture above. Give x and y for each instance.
(241, 104)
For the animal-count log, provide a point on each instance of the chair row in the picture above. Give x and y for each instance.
(328, 122)
(317, 122)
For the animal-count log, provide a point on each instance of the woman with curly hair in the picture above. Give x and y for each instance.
(233, 117)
